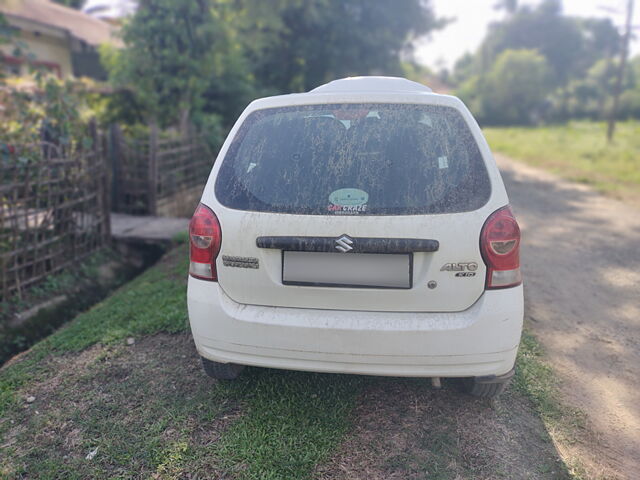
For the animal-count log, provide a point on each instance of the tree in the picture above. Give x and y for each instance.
(617, 89)
(208, 58)
(295, 45)
(5, 37)
(571, 46)
(169, 57)
(586, 97)
(514, 90)
(630, 98)
(601, 41)
(510, 6)
(464, 68)
(557, 37)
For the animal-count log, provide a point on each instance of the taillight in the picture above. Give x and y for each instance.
(500, 247)
(205, 237)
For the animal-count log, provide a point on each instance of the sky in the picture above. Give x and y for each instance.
(473, 16)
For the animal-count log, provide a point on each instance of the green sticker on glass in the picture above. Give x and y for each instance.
(348, 197)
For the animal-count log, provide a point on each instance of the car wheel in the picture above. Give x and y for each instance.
(221, 371)
(487, 387)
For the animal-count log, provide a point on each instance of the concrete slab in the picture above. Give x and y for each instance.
(145, 228)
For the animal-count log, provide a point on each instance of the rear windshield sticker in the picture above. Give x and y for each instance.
(443, 162)
(348, 197)
(347, 209)
(348, 200)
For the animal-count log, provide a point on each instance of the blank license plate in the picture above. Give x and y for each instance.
(347, 269)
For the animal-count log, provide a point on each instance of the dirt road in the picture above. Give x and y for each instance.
(581, 261)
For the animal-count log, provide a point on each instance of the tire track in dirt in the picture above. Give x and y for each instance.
(581, 264)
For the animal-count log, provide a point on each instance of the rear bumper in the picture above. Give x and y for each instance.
(479, 341)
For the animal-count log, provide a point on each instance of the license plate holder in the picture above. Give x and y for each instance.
(348, 270)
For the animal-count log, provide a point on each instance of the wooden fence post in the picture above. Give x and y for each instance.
(102, 159)
(115, 160)
(152, 182)
(107, 182)
(100, 164)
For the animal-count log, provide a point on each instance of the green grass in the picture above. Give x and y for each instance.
(293, 421)
(153, 302)
(578, 151)
(150, 410)
(536, 379)
(140, 416)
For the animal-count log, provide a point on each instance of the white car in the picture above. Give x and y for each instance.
(362, 227)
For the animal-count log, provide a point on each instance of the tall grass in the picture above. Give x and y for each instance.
(578, 151)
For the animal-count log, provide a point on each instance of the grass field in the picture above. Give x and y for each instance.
(86, 403)
(578, 151)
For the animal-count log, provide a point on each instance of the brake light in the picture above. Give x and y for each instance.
(205, 238)
(500, 247)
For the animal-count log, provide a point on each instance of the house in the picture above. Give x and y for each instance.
(56, 37)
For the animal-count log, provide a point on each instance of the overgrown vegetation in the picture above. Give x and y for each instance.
(40, 107)
(538, 64)
(60, 296)
(153, 302)
(43, 109)
(205, 60)
(578, 151)
(51, 213)
(170, 59)
(51, 173)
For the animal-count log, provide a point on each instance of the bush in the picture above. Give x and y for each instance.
(44, 106)
(630, 104)
(513, 92)
(211, 127)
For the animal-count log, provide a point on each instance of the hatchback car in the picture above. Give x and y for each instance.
(362, 227)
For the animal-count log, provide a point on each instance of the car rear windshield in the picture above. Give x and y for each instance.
(354, 159)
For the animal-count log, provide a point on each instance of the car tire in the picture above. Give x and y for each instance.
(483, 390)
(487, 387)
(221, 371)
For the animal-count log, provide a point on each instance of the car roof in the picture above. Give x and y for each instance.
(372, 84)
(361, 90)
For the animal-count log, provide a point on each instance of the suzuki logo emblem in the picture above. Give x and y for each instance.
(343, 244)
